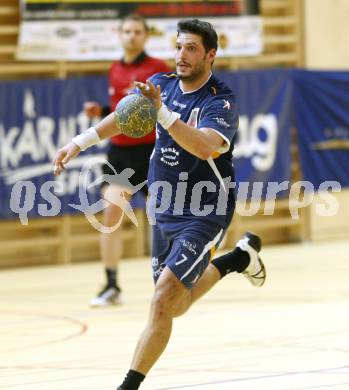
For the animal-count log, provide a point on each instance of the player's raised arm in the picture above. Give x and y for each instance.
(92, 136)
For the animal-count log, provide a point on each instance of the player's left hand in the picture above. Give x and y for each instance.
(149, 90)
(63, 156)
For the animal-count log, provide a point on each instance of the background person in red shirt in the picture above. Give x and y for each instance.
(124, 152)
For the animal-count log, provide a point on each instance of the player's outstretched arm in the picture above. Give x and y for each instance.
(92, 136)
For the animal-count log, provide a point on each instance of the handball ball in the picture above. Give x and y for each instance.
(135, 115)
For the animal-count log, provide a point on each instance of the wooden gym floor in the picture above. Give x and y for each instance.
(292, 334)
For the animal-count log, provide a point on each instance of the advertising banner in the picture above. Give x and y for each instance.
(321, 103)
(36, 119)
(88, 30)
(262, 152)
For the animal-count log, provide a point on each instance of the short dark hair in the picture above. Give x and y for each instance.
(136, 18)
(199, 27)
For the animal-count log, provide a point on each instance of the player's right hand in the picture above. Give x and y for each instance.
(63, 156)
(92, 109)
(150, 91)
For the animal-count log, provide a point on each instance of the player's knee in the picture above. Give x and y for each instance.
(169, 303)
(165, 300)
(180, 310)
(160, 305)
(112, 215)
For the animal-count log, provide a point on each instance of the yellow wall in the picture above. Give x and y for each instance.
(326, 34)
(326, 43)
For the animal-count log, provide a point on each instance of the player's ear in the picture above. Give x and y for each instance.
(211, 55)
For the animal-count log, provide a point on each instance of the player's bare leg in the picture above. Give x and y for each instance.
(168, 299)
(169, 295)
(172, 299)
(111, 248)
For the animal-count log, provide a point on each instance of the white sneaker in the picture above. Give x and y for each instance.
(255, 272)
(107, 297)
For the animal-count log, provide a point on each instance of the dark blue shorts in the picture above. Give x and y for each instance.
(185, 248)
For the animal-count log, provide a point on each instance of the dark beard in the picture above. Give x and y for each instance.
(191, 77)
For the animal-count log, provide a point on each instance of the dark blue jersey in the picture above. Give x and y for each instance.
(192, 188)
